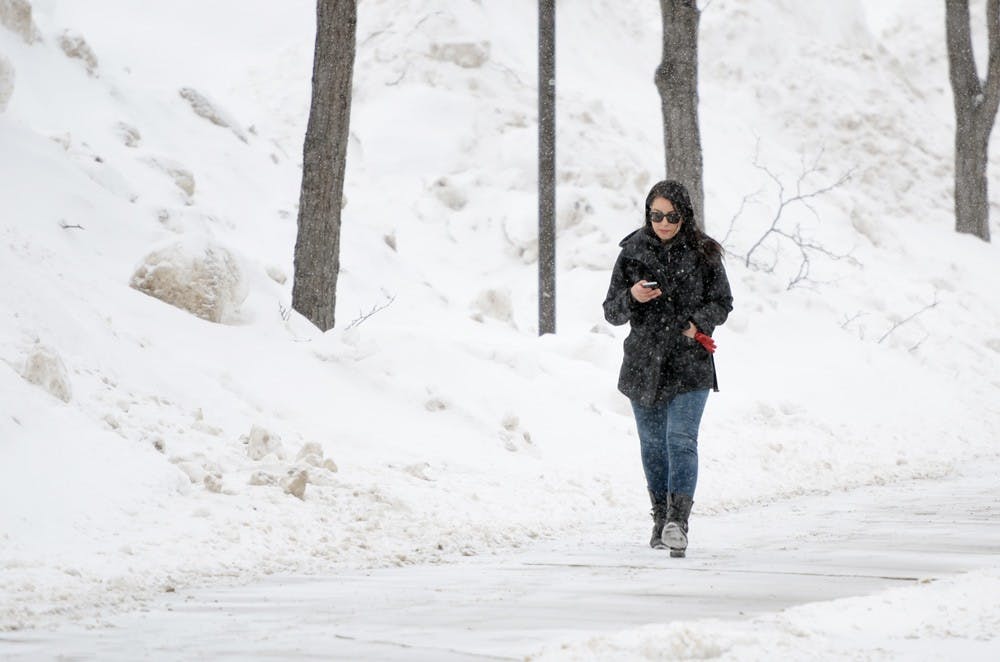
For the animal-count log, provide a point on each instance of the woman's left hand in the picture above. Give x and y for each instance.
(693, 333)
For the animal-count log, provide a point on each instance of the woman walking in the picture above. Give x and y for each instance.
(670, 286)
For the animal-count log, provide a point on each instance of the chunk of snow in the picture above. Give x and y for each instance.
(295, 484)
(198, 276)
(262, 478)
(194, 471)
(203, 107)
(468, 55)
(45, 368)
(311, 453)
(277, 274)
(495, 304)
(182, 177)
(261, 442)
(76, 47)
(450, 196)
(213, 483)
(15, 15)
(129, 135)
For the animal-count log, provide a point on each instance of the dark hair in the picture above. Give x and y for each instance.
(690, 234)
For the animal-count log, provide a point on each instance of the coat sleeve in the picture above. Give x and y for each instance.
(619, 302)
(718, 301)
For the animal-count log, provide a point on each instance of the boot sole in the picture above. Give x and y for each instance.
(674, 537)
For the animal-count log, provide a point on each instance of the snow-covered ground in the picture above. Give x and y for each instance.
(878, 567)
(441, 425)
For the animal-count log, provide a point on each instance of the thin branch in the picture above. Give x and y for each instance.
(847, 320)
(919, 343)
(508, 71)
(375, 309)
(907, 319)
(749, 197)
(66, 226)
(402, 75)
(365, 41)
(804, 198)
(424, 20)
(803, 273)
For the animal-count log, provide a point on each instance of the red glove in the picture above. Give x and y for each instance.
(706, 342)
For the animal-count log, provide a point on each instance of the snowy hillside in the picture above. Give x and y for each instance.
(168, 135)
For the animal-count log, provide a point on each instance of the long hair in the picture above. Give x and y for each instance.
(690, 234)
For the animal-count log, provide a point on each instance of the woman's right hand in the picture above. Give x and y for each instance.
(644, 294)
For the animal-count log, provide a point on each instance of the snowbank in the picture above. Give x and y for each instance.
(945, 619)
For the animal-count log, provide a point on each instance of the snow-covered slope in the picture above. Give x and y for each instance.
(453, 428)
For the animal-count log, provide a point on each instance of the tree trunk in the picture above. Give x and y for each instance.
(972, 213)
(546, 167)
(317, 247)
(975, 111)
(677, 82)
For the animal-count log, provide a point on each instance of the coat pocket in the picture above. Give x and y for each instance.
(694, 348)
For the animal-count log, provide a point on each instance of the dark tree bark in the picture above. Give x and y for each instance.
(546, 167)
(317, 247)
(975, 111)
(677, 83)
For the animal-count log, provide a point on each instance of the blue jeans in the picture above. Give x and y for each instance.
(668, 439)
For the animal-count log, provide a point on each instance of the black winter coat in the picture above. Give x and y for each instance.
(660, 361)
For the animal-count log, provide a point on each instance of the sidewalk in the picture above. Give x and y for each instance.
(740, 565)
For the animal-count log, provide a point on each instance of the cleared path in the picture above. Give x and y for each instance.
(757, 560)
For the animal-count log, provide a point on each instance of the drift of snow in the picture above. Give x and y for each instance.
(953, 618)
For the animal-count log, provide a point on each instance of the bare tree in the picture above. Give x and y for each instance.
(317, 247)
(779, 229)
(677, 82)
(975, 111)
(546, 166)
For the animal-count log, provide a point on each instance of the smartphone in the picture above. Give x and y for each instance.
(651, 285)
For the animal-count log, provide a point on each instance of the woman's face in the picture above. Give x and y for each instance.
(664, 229)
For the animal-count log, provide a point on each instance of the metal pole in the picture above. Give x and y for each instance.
(546, 167)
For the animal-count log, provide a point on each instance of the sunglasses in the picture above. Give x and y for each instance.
(673, 217)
